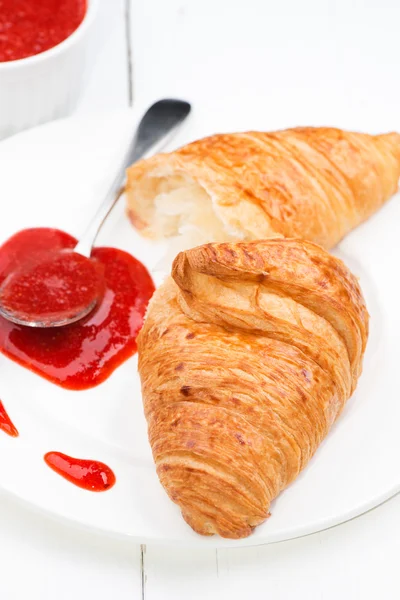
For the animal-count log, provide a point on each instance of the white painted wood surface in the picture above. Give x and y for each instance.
(358, 559)
(325, 62)
(108, 87)
(43, 560)
(313, 62)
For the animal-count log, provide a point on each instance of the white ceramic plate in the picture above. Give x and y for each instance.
(54, 176)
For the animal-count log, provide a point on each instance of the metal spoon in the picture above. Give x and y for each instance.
(156, 127)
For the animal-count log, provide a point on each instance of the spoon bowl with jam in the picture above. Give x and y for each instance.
(56, 290)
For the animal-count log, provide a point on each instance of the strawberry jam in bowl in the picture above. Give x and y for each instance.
(28, 28)
(45, 52)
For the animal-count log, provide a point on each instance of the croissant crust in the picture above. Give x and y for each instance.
(317, 183)
(247, 356)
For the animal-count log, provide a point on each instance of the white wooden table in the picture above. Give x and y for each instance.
(325, 62)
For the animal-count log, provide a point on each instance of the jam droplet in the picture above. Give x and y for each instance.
(6, 424)
(87, 474)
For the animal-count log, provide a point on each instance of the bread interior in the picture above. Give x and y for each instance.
(182, 211)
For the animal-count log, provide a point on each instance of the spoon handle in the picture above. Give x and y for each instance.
(155, 129)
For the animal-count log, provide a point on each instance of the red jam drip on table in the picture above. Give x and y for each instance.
(28, 27)
(59, 287)
(81, 355)
(6, 424)
(88, 474)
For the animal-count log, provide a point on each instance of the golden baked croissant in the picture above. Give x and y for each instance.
(313, 183)
(247, 356)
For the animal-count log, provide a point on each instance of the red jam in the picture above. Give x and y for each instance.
(88, 474)
(53, 288)
(81, 355)
(28, 27)
(6, 424)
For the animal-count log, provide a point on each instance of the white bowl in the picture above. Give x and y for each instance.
(48, 85)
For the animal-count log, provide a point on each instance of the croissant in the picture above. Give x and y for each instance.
(247, 356)
(313, 183)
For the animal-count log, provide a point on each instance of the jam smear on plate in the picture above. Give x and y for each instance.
(6, 424)
(29, 27)
(81, 355)
(90, 475)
